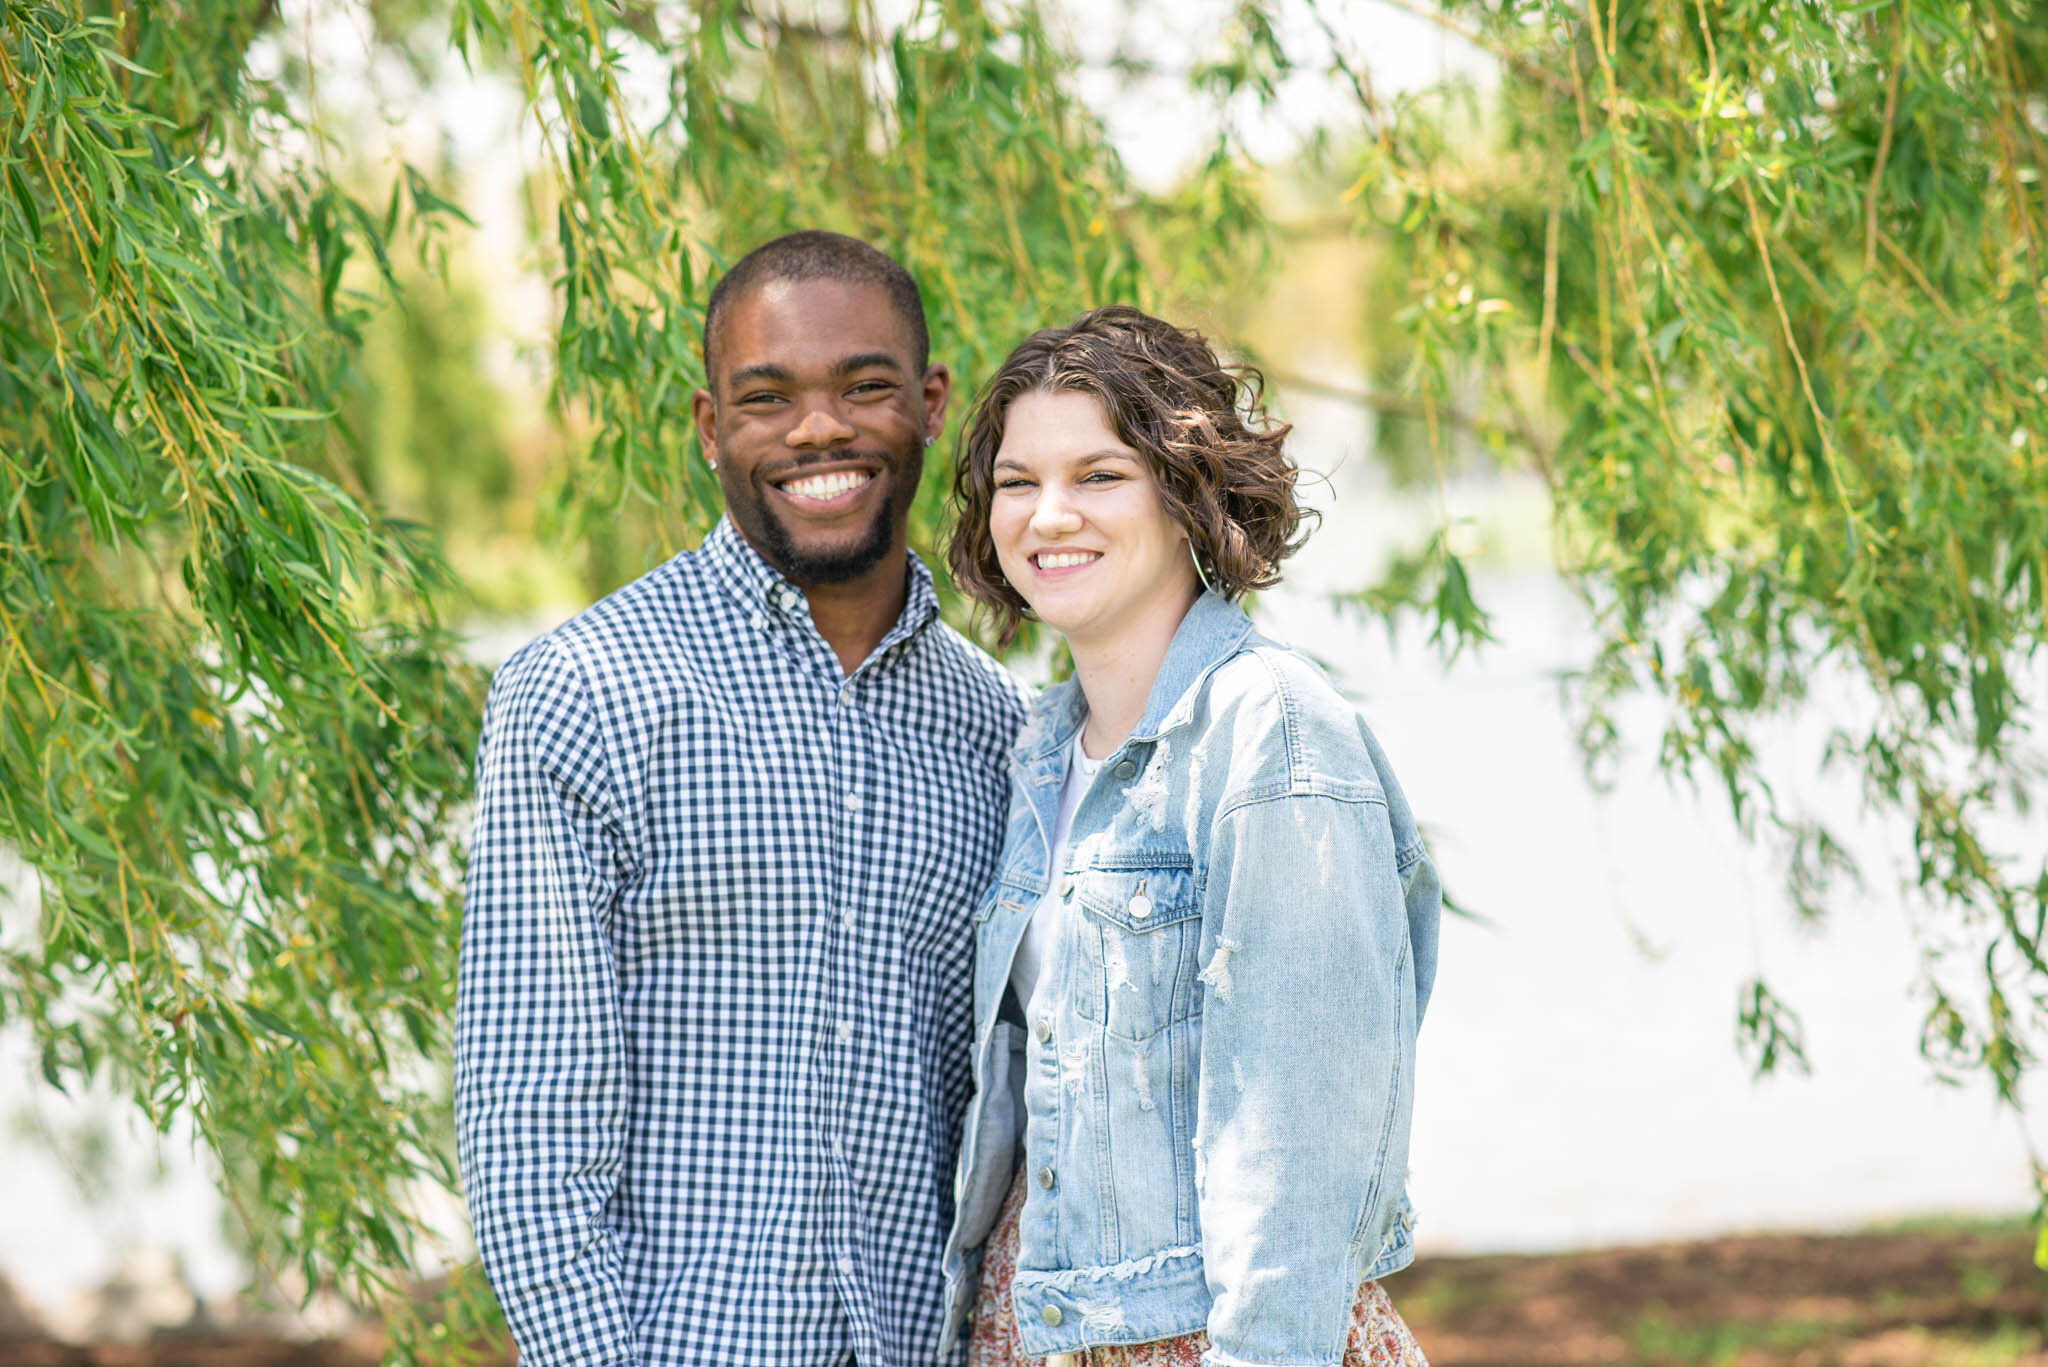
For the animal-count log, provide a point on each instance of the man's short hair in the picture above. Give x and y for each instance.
(815, 255)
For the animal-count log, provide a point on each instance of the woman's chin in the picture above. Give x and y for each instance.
(1066, 617)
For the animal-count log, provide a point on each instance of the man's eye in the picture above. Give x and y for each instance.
(873, 387)
(761, 396)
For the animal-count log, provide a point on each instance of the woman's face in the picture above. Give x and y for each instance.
(1079, 525)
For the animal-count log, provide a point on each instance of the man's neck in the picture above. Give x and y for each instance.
(854, 615)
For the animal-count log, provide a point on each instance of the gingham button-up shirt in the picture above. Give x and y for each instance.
(713, 1024)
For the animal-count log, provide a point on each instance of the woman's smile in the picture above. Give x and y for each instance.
(1059, 562)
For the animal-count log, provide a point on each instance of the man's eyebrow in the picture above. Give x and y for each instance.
(749, 374)
(863, 360)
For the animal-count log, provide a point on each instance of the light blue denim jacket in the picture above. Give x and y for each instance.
(1214, 1114)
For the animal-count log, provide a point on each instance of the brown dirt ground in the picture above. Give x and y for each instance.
(1912, 1298)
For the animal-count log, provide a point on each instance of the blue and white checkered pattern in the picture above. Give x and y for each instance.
(713, 1026)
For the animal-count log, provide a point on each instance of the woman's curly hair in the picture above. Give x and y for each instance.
(1200, 424)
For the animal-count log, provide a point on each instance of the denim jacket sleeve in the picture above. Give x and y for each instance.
(540, 1090)
(1307, 1066)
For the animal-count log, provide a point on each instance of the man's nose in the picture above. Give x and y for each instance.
(819, 428)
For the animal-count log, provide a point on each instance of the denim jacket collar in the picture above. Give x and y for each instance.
(1209, 634)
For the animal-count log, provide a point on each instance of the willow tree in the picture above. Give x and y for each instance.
(1761, 290)
(1754, 285)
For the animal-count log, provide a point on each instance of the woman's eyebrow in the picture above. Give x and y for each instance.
(1091, 458)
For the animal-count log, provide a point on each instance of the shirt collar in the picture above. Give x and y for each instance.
(1211, 632)
(760, 588)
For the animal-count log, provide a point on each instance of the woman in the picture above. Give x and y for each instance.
(1213, 932)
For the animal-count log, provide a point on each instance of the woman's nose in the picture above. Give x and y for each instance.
(1054, 512)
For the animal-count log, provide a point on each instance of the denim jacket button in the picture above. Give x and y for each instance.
(1045, 1178)
(1043, 1030)
(1066, 887)
(1051, 1315)
(1141, 907)
(1128, 769)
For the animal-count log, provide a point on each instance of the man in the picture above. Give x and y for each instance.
(712, 1047)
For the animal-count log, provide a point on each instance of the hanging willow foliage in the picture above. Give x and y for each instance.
(1762, 291)
(234, 738)
(953, 141)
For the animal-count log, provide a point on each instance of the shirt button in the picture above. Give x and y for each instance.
(1051, 1315)
(759, 621)
(846, 1032)
(846, 919)
(1128, 769)
(1044, 1031)
(1045, 1178)
(846, 1267)
(853, 802)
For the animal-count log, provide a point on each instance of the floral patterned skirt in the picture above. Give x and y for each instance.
(1379, 1338)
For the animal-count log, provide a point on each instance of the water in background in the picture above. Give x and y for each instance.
(1579, 1082)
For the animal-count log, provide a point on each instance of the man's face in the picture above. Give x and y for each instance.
(817, 425)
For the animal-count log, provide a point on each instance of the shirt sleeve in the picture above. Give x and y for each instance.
(540, 1059)
(1306, 1071)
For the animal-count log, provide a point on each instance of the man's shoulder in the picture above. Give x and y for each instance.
(651, 604)
(624, 632)
(980, 676)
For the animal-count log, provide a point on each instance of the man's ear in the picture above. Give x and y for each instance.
(704, 412)
(938, 389)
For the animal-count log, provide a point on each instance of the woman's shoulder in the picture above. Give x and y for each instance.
(1285, 726)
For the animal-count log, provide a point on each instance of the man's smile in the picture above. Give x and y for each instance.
(827, 489)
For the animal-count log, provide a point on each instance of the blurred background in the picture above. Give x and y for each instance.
(1665, 383)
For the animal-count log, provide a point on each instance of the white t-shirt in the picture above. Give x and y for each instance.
(1042, 931)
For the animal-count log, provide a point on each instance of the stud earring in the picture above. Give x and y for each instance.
(930, 440)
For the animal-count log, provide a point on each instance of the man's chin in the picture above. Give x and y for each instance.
(819, 560)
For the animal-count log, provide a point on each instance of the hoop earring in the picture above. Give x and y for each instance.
(1207, 587)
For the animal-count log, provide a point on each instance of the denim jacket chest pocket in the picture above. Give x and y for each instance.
(1137, 933)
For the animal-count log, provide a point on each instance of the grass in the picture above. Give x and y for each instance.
(1659, 1339)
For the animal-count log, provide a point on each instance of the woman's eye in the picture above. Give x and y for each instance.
(1013, 483)
(1103, 477)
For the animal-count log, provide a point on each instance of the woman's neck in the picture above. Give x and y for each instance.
(1116, 672)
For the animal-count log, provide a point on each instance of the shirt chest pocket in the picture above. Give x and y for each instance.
(1136, 938)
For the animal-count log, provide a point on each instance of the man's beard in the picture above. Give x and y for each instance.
(828, 567)
(837, 565)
